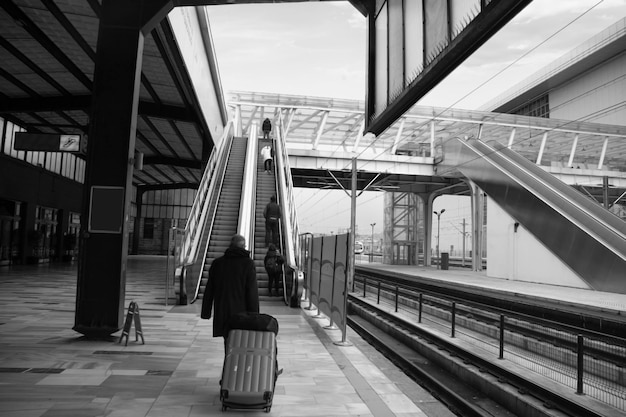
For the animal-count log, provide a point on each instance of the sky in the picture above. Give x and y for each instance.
(318, 49)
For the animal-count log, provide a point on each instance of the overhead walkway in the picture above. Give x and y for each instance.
(584, 235)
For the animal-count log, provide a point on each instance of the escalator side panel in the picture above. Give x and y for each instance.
(548, 219)
(226, 218)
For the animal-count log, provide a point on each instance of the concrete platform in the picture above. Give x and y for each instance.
(47, 369)
(610, 304)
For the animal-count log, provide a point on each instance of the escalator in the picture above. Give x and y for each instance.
(265, 188)
(232, 200)
(589, 239)
(227, 213)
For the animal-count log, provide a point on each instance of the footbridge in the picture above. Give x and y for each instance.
(323, 135)
(416, 160)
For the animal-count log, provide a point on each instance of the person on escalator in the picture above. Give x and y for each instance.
(273, 263)
(272, 216)
(267, 128)
(267, 153)
(232, 287)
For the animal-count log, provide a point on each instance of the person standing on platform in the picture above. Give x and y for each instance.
(267, 128)
(232, 287)
(272, 216)
(273, 263)
(267, 153)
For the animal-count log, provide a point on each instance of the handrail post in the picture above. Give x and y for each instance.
(453, 319)
(397, 289)
(581, 364)
(419, 313)
(501, 356)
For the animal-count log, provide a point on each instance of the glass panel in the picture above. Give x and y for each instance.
(381, 61)
(436, 20)
(396, 47)
(413, 37)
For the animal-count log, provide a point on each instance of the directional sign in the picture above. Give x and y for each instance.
(46, 142)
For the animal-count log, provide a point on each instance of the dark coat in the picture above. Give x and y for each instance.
(232, 288)
(272, 210)
(267, 125)
(273, 254)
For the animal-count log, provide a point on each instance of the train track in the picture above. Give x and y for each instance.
(512, 390)
(596, 321)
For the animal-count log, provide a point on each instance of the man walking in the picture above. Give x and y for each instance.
(272, 216)
(232, 287)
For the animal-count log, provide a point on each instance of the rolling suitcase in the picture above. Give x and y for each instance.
(250, 370)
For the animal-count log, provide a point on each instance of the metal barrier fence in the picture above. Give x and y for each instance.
(589, 364)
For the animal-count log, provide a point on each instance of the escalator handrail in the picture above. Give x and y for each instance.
(217, 182)
(284, 184)
(206, 191)
(573, 205)
(246, 225)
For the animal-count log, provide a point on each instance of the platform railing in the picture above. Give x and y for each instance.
(588, 363)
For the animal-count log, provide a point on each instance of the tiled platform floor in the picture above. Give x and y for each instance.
(48, 370)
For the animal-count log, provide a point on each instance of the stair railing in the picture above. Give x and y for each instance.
(206, 190)
(203, 208)
(289, 222)
(246, 224)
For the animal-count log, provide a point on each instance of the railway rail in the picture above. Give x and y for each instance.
(561, 369)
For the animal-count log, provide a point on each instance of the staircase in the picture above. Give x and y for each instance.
(227, 214)
(265, 188)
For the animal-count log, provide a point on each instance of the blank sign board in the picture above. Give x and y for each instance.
(106, 211)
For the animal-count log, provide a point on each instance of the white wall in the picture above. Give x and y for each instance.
(595, 96)
(520, 256)
(186, 28)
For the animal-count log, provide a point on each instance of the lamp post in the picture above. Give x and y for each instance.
(372, 247)
(438, 232)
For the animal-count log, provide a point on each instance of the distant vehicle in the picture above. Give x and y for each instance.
(358, 247)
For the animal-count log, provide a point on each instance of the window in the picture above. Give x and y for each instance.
(148, 228)
(539, 107)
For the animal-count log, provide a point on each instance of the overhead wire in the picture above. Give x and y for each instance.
(342, 143)
(500, 72)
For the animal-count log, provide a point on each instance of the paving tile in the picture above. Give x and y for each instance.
(48, 370)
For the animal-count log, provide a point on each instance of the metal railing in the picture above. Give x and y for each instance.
(206, 190)
(587, 362)
(286, 200)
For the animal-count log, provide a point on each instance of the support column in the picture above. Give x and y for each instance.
(102, 263)
(428, 227)
(478, 207)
